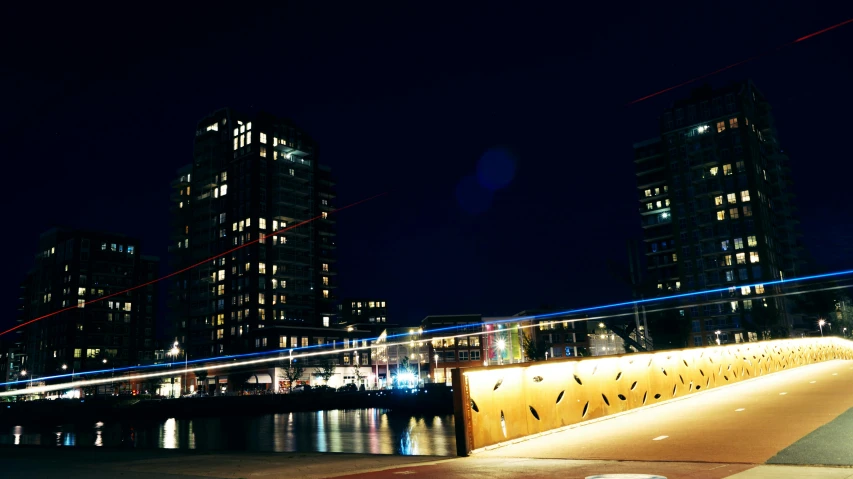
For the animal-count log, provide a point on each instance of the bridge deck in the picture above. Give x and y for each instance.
(798, 417)
(745, 423)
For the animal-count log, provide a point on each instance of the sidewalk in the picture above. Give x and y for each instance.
(138, 464)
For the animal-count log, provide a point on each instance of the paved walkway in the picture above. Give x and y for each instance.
(773, 427)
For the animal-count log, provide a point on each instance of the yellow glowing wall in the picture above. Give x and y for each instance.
(501, 403)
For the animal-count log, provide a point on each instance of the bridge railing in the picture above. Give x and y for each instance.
(500, 404)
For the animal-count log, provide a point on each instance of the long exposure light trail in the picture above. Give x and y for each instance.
(261, 237)
(302, 352)
(728, 67)
(297, 357)
(451, 328)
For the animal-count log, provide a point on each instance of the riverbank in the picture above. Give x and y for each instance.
(108, 408)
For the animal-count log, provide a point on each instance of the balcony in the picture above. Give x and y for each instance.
(657, 219)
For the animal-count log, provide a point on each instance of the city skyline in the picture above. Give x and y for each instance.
(422, 227)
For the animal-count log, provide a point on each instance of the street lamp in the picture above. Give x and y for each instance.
(174, 353)
(717, 332)
(820, 324)
(501, 346)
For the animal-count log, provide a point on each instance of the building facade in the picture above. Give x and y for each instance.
(253, 212)
(77, 278)
(368, 314)
(717, 212)
(448, 352)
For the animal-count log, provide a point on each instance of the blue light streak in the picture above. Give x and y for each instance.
(513, 319)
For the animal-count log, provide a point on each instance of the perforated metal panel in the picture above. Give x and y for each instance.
(512, 401)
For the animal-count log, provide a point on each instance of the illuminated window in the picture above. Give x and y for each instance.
(733, 123)
(731, 198)
(747, 210)
(236, 143)
(733, 213)
(741, 258)
(674, 258)
(744, 196)
(738, 243)
(261, 298)
(727, 170)
(714, 170)
(648, 192)
(324, 215)
(727, 260)
(724, 245)
(753, 256)
(325, 321)
(325, 294)
(81, 303)
(81, 291)
(263, 151)
(223, 190)
(759, 289)
(721, 215)
(718, 200)
(304, 342)
(249, 138)
(721, 126)
(746, 290)
(751, 241)
(650, 206)
(262, 223)
(325, 267)
(740, 167)
(78, 353)
(263, 138)
(262, 268)
(325, 280)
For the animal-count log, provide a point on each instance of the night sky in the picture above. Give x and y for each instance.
(100, 107)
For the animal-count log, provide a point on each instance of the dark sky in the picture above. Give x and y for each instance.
(99, 109)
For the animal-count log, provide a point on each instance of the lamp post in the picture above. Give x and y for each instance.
(717, 332)
(820, 324)
(174, 353)
(24, 375)
(435, 374)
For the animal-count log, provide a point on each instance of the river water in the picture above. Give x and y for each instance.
(369, 431)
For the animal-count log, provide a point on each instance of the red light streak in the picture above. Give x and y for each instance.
(175, 273)
(806, 37)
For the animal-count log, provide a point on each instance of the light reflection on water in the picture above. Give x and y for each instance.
(371, 431)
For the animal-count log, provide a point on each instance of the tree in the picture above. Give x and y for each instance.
(201, 377)
(531, 348)
(356, 371)
(238, 379)
(326, 371)
(404, 372)
(293, 372)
